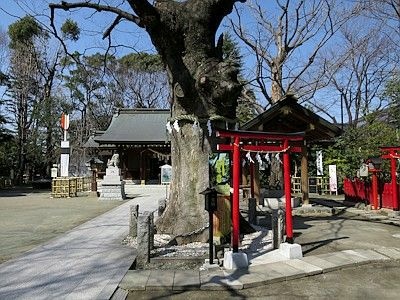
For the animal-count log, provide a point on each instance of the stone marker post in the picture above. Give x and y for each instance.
(278, 227)
(145, 238)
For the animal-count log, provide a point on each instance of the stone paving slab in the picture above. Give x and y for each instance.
(286, 271)
(267, 274)
(186, 280)
(246, 277)
(370, 255)
(319, 262)
(216, 280)
(160, 280)
(355, 257)
(338, 258)
(135, 280)
(305, 267)
(393, 253)
(253, 276)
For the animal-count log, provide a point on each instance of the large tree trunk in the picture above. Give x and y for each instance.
(185, 211)
(203, 87)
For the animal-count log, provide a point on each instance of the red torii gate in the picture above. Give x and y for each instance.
(392, 153)
(263, 142)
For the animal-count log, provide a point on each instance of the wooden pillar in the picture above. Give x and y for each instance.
(304, 174)
(235, 202)
(288, 196)
(251, 180)
(121, 153)
(257, 185)
(142, 166)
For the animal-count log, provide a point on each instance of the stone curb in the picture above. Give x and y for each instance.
(253, 276)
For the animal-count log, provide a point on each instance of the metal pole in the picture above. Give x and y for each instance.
(395, 193)
(235, 202)
(210, 238)
(288, 196)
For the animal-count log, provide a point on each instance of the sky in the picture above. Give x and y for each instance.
(92, 25)
(127, 35)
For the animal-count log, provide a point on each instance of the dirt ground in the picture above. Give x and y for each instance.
(29, 218)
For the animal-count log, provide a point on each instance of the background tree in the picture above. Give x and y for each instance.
(247, 107)
(142, 79)
(285, 38)
(357, 69)
(392, 95)
(3, 54)
(23, 84)
(202, 84)
(29, 101)
(97, 84)
(357, 144)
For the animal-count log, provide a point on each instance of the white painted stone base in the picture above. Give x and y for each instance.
(235, 260)
(291, 251)
(284, 253)
(113, 191)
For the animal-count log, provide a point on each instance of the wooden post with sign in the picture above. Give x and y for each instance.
(65, 150)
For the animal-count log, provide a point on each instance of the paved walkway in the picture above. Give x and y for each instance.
(253, 276)
(88, 262)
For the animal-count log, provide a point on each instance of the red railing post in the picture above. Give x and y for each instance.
(395, 195)
(375, 189)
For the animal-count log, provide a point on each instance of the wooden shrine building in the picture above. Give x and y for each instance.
(287, 116)
(139, 137)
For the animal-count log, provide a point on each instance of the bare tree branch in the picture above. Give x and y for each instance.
(112, 26)
(297, 23)
(98, 7)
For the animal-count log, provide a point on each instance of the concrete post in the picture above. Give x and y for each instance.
(151, 244)
(278, 227)
(162, 203)
(143, 239)
(133, 220)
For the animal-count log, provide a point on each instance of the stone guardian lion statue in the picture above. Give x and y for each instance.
(114, 161)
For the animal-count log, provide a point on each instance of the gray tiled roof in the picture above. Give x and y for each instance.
(132, 126)
(91, 143)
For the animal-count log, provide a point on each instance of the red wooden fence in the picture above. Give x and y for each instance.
(360, 191)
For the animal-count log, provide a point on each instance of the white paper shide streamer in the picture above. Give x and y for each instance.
(248, 156)
(258, 158)
(176, 126)
(278, 158)
(169, 128)
(209, 128)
